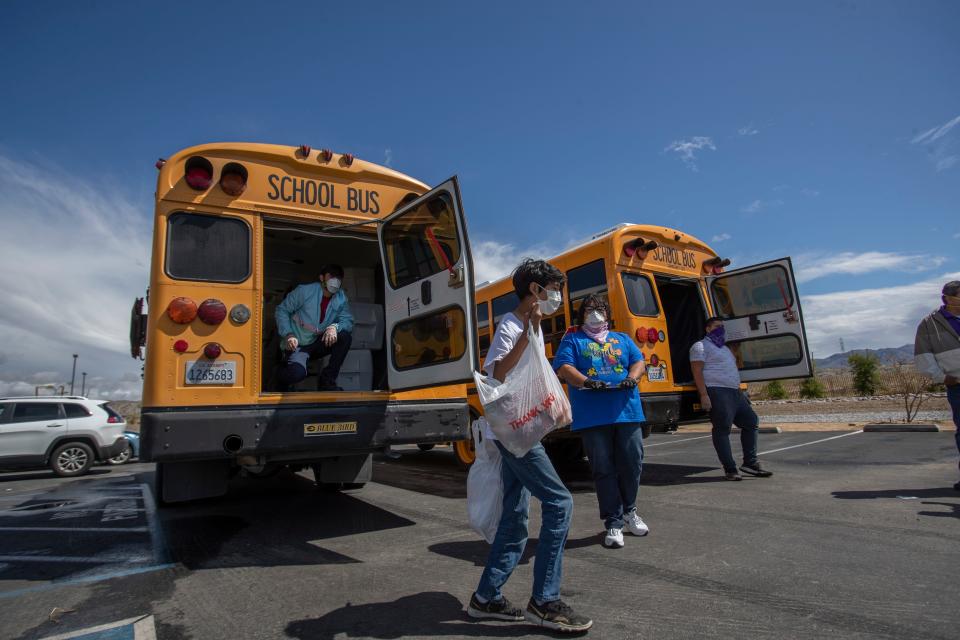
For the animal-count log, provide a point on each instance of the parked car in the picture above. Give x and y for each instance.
(131, 451)
(66, 433)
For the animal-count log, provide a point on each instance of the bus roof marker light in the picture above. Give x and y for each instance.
(159, 163)
(212, 311)
(347, 159)
(325, 155)
(303, 151)
(233, 179)
(198, 173)
(182, 310)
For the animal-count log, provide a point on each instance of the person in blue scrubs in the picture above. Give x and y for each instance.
(602, 368)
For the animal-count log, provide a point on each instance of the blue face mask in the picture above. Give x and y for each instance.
(718, 336)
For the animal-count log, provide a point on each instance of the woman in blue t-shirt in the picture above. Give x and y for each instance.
(602, 368)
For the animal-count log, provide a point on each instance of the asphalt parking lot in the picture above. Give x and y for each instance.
(855, 536)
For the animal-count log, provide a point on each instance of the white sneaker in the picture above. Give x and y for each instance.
(614, 539)
(636, 525)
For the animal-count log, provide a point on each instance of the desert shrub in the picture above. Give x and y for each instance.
(866, 377)
(812, 388)
(775, 391)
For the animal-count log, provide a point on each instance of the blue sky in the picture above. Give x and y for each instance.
(827, 131)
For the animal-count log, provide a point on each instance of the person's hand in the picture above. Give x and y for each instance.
(951, 380)
(628, 383)
(329, 336)
(292, 343)
(594, 384)
(705, 403)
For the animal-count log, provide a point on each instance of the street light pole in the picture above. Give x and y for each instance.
(73, 376)
(83, 384)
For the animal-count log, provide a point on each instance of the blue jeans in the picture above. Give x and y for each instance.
(616, 458)
(953, 397)
(531, 474)
(731, 407)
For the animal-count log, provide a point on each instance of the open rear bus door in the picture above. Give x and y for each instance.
(761, 312)
(429, 298)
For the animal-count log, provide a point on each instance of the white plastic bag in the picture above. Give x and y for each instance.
(529, 404)
(484, 486)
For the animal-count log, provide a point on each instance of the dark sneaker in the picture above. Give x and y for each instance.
(755, 470)
(557, 615)
(956, 486)
(494, 610)
(732, 475)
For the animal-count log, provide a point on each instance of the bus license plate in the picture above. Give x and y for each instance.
(204, 372)
(656, 374)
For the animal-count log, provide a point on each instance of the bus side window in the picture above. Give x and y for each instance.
(583, 281)
(503, 305)
(483, 328)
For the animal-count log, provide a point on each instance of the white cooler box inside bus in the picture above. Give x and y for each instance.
(358, 284)
(367, 325)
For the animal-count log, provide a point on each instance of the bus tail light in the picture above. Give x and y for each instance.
(198, 173)
(180, 346)
(233, 179)
(212, 311)
(641, 335)
(182, 310)
(652, 335)
(212, 350)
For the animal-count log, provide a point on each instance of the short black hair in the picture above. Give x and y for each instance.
(334, 270)
(952, 288)
(711, 320)
(539, 271)
(594, 300)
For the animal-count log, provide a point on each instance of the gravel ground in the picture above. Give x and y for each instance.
(850, 410)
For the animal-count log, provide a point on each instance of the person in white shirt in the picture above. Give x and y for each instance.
(538, 287)
(718, 381)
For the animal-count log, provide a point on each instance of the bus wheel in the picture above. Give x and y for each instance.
(425, 447)
(465, 453)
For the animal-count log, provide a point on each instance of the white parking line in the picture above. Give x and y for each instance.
(658, 444)
(843, 435)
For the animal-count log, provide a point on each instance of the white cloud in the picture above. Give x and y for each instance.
(810, 193)
(759, 205)
(810, 266)
(721, 237)
(934, 134)
(946, 162)
(870, 318)
(387, 156)
(940, 147)
(687, 149)
(493, 260)
(748, 130)
(75, 254)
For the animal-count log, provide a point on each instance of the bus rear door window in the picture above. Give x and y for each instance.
(639, 294)
(422, 242)
(207, 248)
(428, 340)
(753, 293)
(763, 353)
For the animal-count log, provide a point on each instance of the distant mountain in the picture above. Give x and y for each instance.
(888, 355)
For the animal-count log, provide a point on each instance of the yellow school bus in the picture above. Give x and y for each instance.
(238, 226)
(662, 285)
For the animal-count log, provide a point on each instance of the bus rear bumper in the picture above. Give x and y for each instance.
(297, 432)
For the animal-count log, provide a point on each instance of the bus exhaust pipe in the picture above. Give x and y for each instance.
(232, 443)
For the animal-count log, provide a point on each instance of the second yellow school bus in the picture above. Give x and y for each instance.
(662, 284)
(237, 227)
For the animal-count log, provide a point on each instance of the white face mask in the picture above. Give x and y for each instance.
(549, 306)
(333, 285)
(594, 319)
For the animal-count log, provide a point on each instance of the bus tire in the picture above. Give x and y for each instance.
(464, 452)
(425, 447)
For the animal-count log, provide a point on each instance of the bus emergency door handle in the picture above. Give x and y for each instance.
(754, 323)
(426, 292)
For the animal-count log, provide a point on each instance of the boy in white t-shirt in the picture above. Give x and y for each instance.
(538, 286)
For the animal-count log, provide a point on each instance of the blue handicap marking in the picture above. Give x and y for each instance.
(141, 628)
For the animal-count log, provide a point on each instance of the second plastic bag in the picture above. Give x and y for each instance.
(485, 486)
(529, 404)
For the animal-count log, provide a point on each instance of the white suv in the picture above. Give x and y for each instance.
(66, 433)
